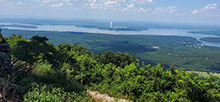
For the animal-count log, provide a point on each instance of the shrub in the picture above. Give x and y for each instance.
(50, 94)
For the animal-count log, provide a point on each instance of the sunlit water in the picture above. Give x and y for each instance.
(151, 31)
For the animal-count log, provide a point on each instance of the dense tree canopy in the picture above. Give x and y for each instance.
(64, 72)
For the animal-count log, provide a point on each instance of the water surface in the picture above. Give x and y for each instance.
(151, 31)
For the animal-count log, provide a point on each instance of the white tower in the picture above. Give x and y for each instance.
(110, 25)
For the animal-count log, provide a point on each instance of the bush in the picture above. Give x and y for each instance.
(48, 94)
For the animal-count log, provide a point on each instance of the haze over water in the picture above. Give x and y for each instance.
(151, 31)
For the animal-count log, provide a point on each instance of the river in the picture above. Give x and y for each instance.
(151, 31)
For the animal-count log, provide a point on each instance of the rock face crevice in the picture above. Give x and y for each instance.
(5, 58)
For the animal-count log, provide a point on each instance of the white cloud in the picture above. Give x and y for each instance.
(103, 4)
(110, 2)
(119, 5)
(206, 9)
(130, 5)
(148, 1)
(46, 1)
(142, 1)
(20, 3)
(195, 11)
(143, 10)
(68, 2)
(135, 6)
(11, 4)
(56, 5)
(93, 4)
(211, 6)
(168, 10)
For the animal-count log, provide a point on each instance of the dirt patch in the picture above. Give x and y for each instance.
(104, 97)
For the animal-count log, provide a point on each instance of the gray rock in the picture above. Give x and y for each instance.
(5, 58)
(1, 96)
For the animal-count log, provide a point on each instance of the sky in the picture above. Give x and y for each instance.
(187, 11)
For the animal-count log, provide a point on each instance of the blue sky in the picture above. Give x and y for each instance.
(187, 11)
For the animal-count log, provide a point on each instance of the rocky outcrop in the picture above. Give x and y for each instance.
(5, 58)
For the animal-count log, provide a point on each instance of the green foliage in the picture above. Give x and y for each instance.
(43, 68)
(47, 94)
(119, 59)
(34, 50)
(13, 39)
(65, 70)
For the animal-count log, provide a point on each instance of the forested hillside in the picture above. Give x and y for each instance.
(182, 52)
(46, 73)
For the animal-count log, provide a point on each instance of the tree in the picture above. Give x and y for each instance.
(32, 51)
